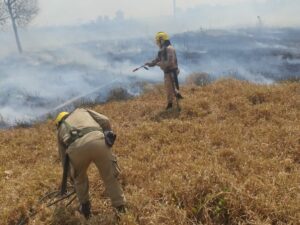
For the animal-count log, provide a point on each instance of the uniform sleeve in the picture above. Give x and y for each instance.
(153, 62)
(102, 120)
(61, 149)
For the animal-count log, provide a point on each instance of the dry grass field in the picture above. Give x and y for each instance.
(231, 156)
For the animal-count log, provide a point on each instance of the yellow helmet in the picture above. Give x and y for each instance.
(59, 117)
(161, 36)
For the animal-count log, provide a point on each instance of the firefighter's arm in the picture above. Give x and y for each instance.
(61, 150)
(153, 62)
(102, 120)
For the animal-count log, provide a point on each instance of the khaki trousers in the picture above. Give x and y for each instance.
(170, 87)
(84, 151)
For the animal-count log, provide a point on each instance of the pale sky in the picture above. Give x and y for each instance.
(65, 12)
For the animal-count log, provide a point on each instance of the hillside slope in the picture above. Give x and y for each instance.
(231, 156)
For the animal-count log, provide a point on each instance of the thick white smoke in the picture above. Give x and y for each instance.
(48, 77)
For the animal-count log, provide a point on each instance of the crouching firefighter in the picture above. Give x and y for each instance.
(167, 60)
(85, 136)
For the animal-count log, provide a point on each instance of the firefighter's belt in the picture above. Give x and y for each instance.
(172, 71)
(78, 133)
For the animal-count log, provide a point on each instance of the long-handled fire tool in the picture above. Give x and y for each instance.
(49, 199)
(143, 66)
(174, 91)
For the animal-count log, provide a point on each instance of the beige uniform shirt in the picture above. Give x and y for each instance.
(166, 59)
(80, 118)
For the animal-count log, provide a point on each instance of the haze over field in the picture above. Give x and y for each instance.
(91, 50)
(193, 13)
(228, 153)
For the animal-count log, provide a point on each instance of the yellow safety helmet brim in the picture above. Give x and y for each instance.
(161, 36)
(59, 117)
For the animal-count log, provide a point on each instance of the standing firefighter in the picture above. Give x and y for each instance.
(167, 61)
(85, 136)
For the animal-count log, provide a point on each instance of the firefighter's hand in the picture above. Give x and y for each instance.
(110, 138)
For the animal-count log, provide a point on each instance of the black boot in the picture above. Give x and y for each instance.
(121, 209)
(85, 209)
(169, 106)
(179, 96)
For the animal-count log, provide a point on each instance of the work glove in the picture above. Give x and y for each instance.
(121, 209)
(110, 138)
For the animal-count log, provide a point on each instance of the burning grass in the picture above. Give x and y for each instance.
(231, 156)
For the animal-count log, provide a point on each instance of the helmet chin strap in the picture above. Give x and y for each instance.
(161, 42)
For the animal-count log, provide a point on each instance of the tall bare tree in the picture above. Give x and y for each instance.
(3, 14)
(20, 12)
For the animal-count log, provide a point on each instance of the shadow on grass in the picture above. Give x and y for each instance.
(67, 216)
(173, 113)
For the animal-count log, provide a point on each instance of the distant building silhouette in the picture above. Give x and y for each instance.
(259, 21)
(119, 15)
